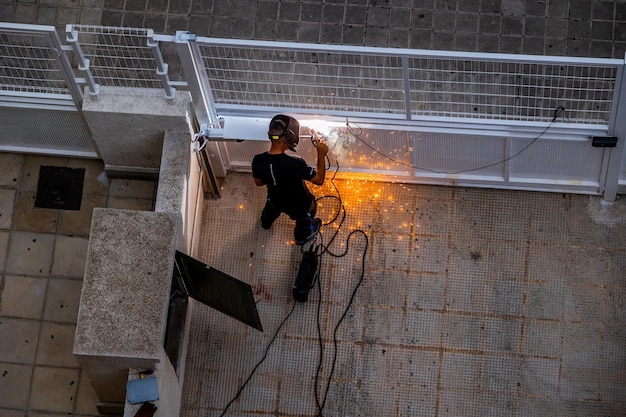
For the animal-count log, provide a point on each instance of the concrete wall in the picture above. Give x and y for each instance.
(127, 126)
(125, 295)
(180, 187)
(123, 311)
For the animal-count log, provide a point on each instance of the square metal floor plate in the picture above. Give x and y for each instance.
(60, 188)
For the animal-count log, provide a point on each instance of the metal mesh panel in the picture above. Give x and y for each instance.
(431, 84)
(362, 150)
(374, 151)
(44, 131)
(557, 160)
(510, 90)
(120, 57)
(304, 79)
(240, 154)
(444, 158)
(28, 64)
(441, 153)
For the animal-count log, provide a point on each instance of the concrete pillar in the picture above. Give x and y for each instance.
(124, 302)
(180, 186)
(127, 126)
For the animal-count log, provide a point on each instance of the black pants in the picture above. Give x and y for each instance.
(303, 218)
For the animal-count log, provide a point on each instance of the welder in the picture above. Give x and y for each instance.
(285, 175)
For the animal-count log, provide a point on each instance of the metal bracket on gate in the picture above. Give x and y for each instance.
(184, 36)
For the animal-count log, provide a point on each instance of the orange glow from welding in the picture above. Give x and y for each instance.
(354, 192)
(322, 126)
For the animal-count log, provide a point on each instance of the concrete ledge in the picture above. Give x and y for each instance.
(136, 173)
(124, 304)
(180, 186)
(124, 301)
(173, 175)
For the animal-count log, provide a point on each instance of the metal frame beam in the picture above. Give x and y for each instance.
(617, 127)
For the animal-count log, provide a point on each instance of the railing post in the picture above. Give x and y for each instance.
(83, 63)
(209, 154)
(67, 71)
(161, 66)
(617, 128)
(199, 87)
(407, 86)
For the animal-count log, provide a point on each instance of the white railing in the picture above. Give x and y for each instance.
(444, 107)
(458, 118)
(121, 57)
(410, 84)
(34, 68)
(40, 94)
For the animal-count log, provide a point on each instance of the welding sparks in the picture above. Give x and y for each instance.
(336, 135)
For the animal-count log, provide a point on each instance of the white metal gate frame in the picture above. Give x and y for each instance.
(484, 100)
(40, 94)
(36, 70)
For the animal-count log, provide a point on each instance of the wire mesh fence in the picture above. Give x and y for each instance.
(413, 83)
(511, 90)
(121, 57)
(455, 89)
(28, 64)
(330, 79)
(304, 79)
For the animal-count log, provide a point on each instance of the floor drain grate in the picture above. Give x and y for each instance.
(60, 188)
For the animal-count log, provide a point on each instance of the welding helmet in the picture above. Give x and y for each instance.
(287, 127)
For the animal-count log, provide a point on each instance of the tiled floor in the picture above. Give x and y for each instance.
(474, 302)
(42, 256)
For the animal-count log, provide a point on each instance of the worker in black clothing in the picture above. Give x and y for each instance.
(284, 176)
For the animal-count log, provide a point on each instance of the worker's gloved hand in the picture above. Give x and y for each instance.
(146, 410)
(322, 147)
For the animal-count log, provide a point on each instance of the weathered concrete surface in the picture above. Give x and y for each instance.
(123, 308)
(127, 125)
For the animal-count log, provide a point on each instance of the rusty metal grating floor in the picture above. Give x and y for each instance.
(475, 303)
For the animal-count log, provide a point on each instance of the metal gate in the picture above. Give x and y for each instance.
(456, 118)
(40, 96)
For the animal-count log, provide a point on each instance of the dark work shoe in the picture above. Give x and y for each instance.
(316, 224)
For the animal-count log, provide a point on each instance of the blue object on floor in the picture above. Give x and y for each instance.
(142, 390)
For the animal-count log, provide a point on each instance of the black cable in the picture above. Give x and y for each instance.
(557, 112)
(322, 404)
(322, 249)
(319, 338)
(319, 249)
(260, 362)
(325, 249)
(341, 211)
